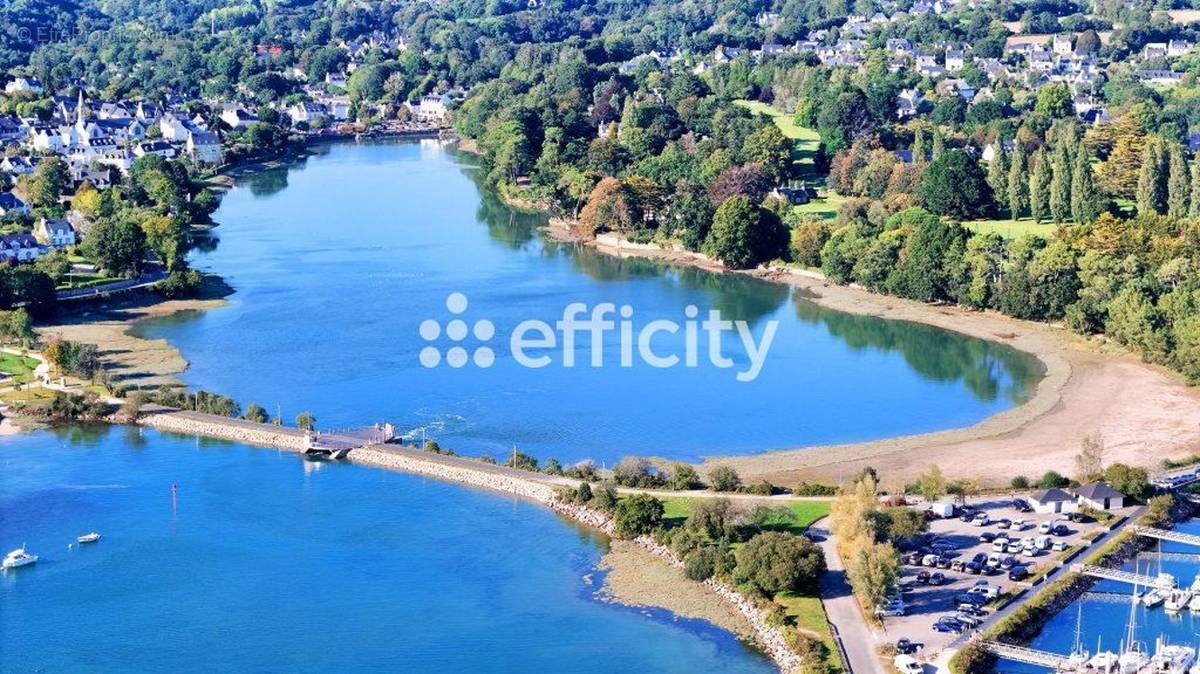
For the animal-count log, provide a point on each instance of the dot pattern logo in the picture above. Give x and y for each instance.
(457, 332)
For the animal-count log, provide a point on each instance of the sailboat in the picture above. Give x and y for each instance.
(1133, 654)
(1171, 659)
(1078, 659)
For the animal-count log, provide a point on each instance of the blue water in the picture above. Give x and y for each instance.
(337, 260)
(1106, 616)
(267, 563)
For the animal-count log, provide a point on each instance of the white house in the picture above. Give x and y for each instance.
(237, 116)
(204, 146)
(432, 108)
(308, 113)
(20, 247)
(159, 147)
(1053, 501)
(55, 233)
(1100, 496)
(23, 85)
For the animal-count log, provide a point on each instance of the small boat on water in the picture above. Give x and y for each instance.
(1178, 600)
(1104, 661)
(18, 558)
(1153, 597)
(89, 538)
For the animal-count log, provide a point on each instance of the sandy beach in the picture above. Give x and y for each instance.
(1144, 413)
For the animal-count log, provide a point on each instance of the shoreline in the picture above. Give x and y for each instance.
(1143, 412)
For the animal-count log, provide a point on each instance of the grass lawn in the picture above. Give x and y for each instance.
(826, 206)
(807, 512)
(806, 144)
(35, 394)
(1011, 229)
(16, 365)
(810, 616)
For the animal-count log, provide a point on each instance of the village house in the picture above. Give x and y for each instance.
(1162, 78)
(11, 204)
(308, 112)
(19, 247)
(55, 233)
(159, 147)
(237, 116)
(24, 85)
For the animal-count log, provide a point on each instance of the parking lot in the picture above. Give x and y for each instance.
(959, 542)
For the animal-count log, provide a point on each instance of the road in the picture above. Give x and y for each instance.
(858, 640)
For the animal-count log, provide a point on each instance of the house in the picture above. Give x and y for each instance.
(20, 85)
(432, 108)
(17, 165)
(307, 112)
(20, 247)
(55, 233)
(792, 195)
(159, 147)
(1061, 45)
(955, 60)
(1154, 50)
(1100, 496)
(204, 147)
(237, 116)
(1053, 501)
(1159, 77)
(10, 204)
(1178, 48)
(908, 102)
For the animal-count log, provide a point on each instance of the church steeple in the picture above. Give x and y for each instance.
(79, 109)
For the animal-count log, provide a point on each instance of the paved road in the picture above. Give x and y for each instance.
(843, 611)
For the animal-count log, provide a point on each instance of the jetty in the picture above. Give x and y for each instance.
(1139, 579)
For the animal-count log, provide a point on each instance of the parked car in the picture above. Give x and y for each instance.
(1000, 545)
(987, 536)
(944, 562)
(1003, 523)
(923, 577)
(967, 619)
(891, 609)
(1081, 518)
(1044, 527)
(1007, 563)
(912, 559)
(1060, 530)
(929, 560)
(972, 609)
(905, 664)
(1018, 572)
(1019, 524)
(1014, 547)
(1061, 545)
(986, 590)
(958, 565)
(949, 625)
(906, 646)
(1021, 505)
(981, 520)
(937, 578)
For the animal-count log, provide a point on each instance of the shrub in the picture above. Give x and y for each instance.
(636, 515)
(701, 564)
(605, 499)
(180, 284)
(584, 494)
(724, 478)
(778, 562)
(636, 472)
(683, 477)
(552, 467)
(1020, 482)
(522, 461)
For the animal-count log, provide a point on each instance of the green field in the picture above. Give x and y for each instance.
(810, 616)
(806, 141)
(19, 367)
(807, 512)
(1011, 229)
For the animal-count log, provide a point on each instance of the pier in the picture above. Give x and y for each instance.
(1122, 576)
(1167, 535)
(1029, 656)
(337, 443)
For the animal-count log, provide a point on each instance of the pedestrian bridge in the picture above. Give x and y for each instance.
(337, 443)
(1167, 535)
(1029, 656)
(1162, 582)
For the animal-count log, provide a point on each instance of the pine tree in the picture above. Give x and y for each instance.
(1039, 186)
(1018, 182)
(1059, 199)
(920, 154)
(997, 175)
(1194, 211)
(1149, 186)
(1085, 201)
(1177, 182)
(939, 143)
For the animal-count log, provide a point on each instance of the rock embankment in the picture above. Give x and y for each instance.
(225, 428)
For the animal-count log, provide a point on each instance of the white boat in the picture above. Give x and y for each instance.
(1178, 600)
(1104, 661)
(18, 558)
(1077, 661)
(1170, 658)
(89, 538)
(1133, 655)
(1153, 597)
(1194, 604)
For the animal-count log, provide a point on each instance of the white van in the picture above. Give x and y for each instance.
(907, 664)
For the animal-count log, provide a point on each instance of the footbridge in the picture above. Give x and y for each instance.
(1029, 656)
(1162, 582)
(1167, 535)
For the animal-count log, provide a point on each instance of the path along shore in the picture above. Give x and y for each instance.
(534, 486)
(1144, 413)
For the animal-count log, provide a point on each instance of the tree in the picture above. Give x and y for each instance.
(954, 185)
(691, 214)
(1054, 101)
(747, 180)
(1089, 462)
(1051, 479)
(723, 478)
(1060, 185)
(1018, 183)
(609, 208)
(932, 484)
(306, 421)
(711, 518)
(1039, 186)
(769, 148)
(683, 477)
(921, 272)
(939, 143)
(633, 471)
(1178, 187)
(808, 237)
(1129, 480)
(637, 515)
(254, 412)
(776, 562)
(997, 176)
(116, 245)
(873, 572)
(744, 234)
(1194, 199)
(1085, 200)
(48, 182)
(584, 494)
(1150, 192)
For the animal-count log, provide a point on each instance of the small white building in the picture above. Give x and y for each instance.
(55, 233)
(1100, 496)
(29, 85)
(1053, 501)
